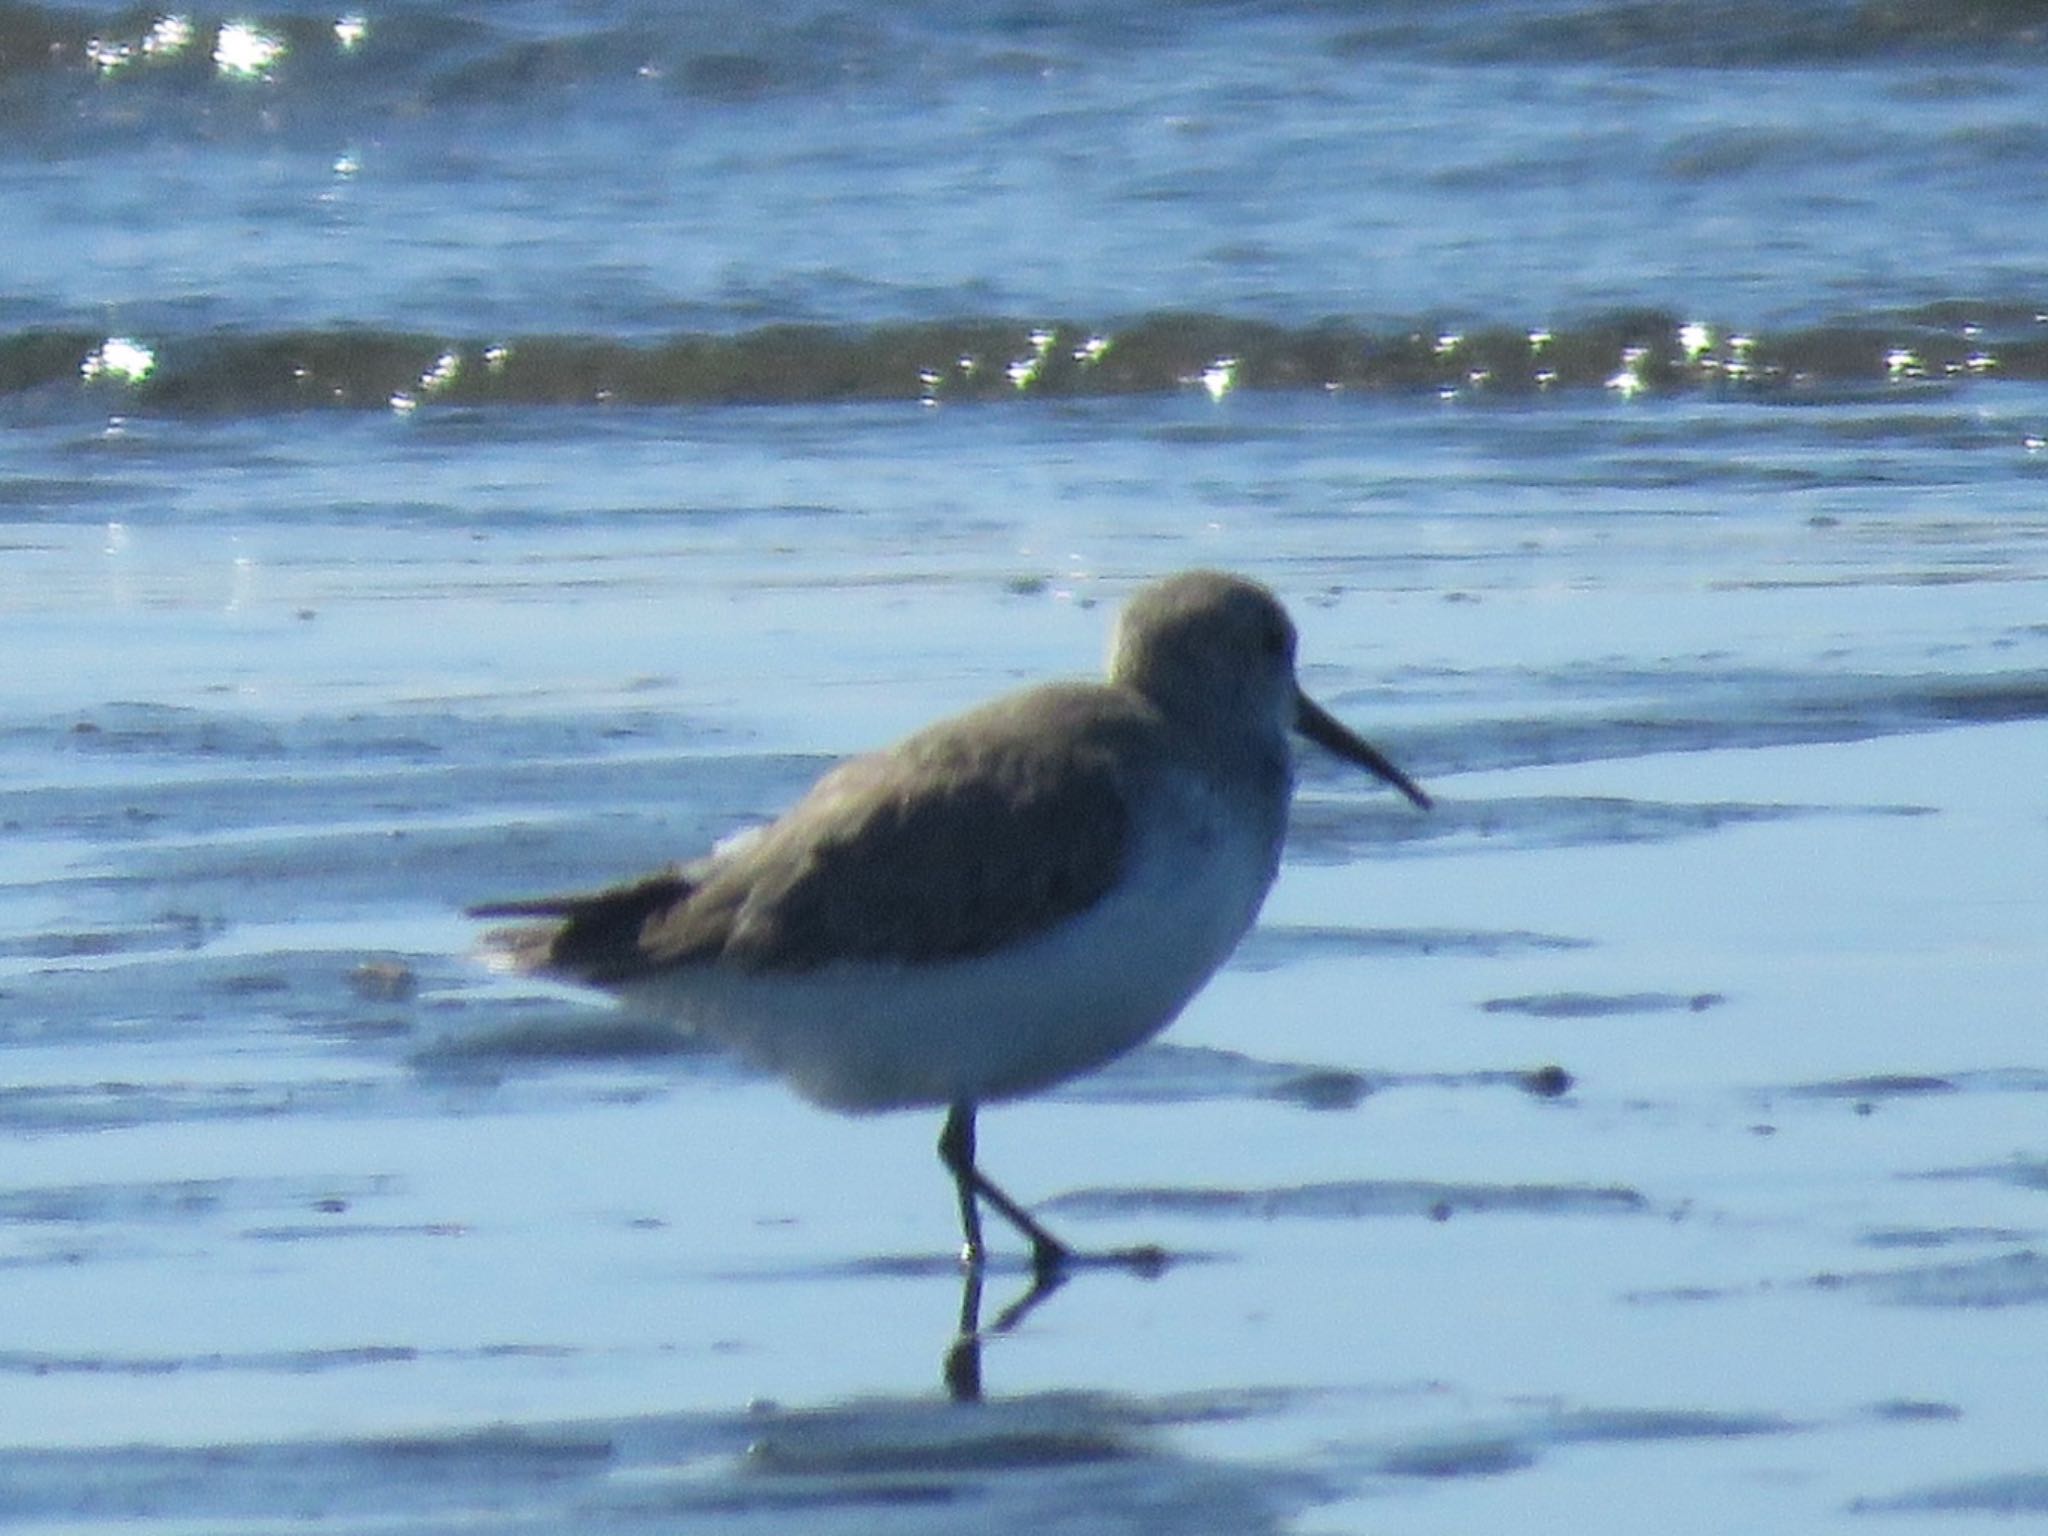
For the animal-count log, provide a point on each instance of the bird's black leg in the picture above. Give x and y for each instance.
(956, 1150)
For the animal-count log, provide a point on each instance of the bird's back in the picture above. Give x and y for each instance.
(960, 840)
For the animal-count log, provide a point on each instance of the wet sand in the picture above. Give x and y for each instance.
(1650, 1137)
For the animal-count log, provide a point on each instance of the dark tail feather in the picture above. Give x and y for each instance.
(525, 947)
(538, 906)
(594, 936)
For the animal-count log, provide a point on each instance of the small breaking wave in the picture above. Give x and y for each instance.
(991, 359)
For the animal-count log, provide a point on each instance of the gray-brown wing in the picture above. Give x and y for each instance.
(964, 838)
(967, 836)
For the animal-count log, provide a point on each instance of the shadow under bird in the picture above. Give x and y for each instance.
(1000, 902)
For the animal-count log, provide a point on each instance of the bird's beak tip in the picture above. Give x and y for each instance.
(1330, 733)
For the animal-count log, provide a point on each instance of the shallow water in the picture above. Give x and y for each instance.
(449, 452)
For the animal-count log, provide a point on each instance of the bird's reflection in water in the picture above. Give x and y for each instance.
(962, 1369)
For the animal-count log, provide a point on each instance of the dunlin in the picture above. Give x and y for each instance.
(1002, 901)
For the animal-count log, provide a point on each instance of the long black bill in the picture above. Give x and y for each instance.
(1326, 730)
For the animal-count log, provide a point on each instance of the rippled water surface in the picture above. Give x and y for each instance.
(449, 453)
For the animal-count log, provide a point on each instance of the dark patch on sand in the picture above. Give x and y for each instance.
(1600, 1005)
(1359, 1199)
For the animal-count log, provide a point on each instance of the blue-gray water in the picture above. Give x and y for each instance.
(448, 453)
(312, 207)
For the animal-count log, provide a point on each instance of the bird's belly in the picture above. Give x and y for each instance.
(870, 1036)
